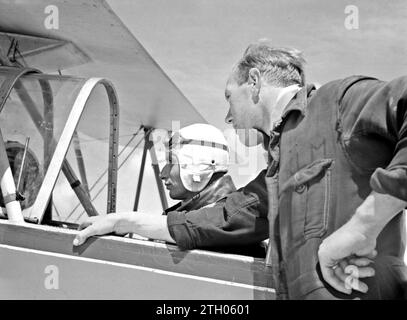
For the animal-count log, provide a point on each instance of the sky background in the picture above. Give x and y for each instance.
(197, 43)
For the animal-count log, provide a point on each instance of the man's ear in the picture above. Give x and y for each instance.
(254, 82)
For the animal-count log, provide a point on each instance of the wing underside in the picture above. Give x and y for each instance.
(89, 39)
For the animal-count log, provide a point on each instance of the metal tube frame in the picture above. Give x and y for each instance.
(8, 84)
(142, 166)
(158, 180)
(149, 146)
(80, 162)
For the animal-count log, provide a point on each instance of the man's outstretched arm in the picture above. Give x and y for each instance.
(146, 225)
(355, 242)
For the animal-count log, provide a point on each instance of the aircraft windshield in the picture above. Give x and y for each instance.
(88, 156)
(37, 108)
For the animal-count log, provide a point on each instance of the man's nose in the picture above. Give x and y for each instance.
(164, 172)
(229, 118)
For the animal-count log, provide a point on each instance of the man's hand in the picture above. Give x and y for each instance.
(98, 225)
(344, 259)
(344, 256)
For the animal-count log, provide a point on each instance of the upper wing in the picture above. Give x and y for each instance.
(90, 37)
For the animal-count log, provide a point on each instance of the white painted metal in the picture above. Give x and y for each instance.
(112, 267)
(84, 278)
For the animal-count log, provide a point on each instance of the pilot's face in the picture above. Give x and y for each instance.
(172, 180)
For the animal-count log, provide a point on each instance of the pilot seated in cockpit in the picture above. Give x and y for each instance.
(212, 214)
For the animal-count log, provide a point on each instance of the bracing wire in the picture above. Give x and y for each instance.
(105, 184)
(83, 141)
(57, 212)
(133, 136)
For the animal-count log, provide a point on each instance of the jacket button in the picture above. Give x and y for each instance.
(300, 188)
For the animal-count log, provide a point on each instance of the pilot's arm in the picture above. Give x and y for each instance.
(238, 220)
(146, 225)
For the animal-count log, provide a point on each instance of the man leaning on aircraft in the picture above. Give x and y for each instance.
(212, 214)
(337, 175)
(336, 180)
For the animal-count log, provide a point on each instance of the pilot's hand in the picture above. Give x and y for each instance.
(97, 225)
(344, 259)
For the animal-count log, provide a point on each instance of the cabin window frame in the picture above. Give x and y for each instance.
(44, 196)
(62, 146)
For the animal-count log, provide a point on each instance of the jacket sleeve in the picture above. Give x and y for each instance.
(382, 113)
(392, 179)
(239, 219)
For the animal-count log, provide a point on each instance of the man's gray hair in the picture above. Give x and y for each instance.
(281, 67)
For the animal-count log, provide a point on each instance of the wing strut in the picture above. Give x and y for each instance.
(80, 162)
(149, 146)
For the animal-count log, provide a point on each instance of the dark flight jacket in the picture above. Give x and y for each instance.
(235, 223)
(337, 145)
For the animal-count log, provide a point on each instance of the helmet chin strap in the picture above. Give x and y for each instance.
(200, 150)
(197, 194)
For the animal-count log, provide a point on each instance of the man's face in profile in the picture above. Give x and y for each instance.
(242, 112)
(172, 180)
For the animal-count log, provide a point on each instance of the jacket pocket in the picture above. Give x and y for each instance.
(310, 190)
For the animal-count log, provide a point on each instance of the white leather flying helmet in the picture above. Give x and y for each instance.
(200, 150)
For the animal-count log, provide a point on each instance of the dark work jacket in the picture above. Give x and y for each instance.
(337, 145)
(222, 218)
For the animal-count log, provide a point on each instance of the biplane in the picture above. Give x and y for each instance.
(68, 136)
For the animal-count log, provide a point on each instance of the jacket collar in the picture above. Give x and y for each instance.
(212, 193)
(299, 101)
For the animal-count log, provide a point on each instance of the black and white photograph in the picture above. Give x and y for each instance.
(203, 150)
